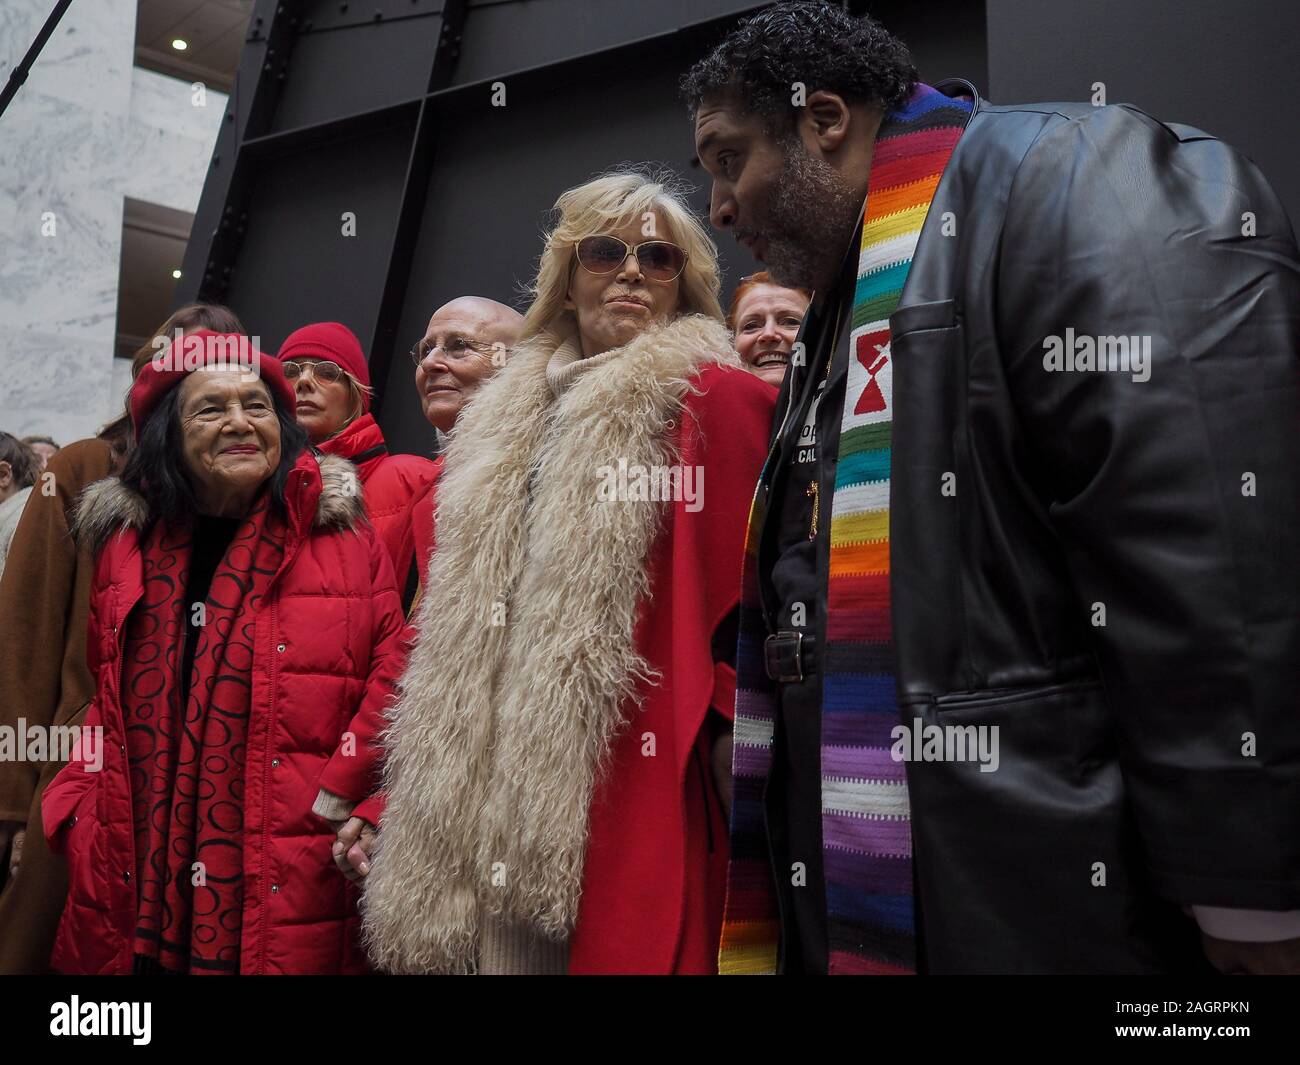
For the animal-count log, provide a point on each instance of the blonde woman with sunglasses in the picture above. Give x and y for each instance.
(551, 796)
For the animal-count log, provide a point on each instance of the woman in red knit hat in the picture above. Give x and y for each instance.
(327, 369)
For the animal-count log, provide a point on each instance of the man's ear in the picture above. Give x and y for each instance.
(6, 474)
(826, 118)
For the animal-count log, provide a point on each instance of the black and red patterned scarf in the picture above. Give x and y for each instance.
(187, 768)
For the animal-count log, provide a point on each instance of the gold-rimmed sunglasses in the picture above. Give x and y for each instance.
(321, 369)
(660, 260)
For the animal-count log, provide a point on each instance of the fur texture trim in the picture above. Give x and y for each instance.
(108, 506)
(341, 505)
(526, 662)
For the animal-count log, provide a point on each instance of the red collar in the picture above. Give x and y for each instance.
(361, 442)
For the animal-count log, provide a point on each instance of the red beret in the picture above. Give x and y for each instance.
(201, 349)
(333, 341)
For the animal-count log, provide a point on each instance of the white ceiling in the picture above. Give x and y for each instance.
(213, 29)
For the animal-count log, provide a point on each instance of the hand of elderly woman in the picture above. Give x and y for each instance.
(352, 848)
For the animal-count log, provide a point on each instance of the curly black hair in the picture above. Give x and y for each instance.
(815, 43)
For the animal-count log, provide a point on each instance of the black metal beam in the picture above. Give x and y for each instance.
(247, 141)
(351, 16)
(218, 224)
(443, 100)
(470, 94)
(410, 215)
(302, 138)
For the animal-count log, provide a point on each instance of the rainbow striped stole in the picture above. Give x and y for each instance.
(866, 827)
(750, 927)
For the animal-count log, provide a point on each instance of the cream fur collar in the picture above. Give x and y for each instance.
(526, 663)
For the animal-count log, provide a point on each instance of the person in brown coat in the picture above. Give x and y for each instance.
(44, 679)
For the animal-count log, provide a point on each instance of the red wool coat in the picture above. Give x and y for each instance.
(422, 519)
(328, 651)
(390, 484)
(422, 533)
(655, 873)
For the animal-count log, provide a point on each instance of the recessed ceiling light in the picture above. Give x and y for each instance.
(176, 274)
(179, 45)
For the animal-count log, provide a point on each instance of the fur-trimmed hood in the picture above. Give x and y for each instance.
(109, 506)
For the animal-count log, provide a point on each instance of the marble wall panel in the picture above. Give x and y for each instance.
(87, 130)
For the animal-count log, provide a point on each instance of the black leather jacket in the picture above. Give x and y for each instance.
(1113, 582)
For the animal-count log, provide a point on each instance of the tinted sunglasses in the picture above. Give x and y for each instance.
(660, 260)
(324, 370)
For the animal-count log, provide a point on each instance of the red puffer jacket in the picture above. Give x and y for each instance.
(392, 484)
(328, 649)
(422, 512)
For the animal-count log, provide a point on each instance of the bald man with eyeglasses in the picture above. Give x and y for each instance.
(466, 342)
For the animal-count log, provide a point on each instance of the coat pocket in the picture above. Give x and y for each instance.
(61, 802)
(82, 843)
(1011, 695)
(937, 314)
(1026, 857)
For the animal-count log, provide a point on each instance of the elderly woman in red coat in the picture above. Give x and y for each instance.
(244, 627)
(550, 804)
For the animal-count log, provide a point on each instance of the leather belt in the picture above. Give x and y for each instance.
(788, 656)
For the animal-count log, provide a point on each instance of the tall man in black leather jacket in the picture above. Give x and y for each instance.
(1101, 564)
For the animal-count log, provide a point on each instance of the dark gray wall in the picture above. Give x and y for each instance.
(1227, 68)
(384, 109)
(499, 170)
